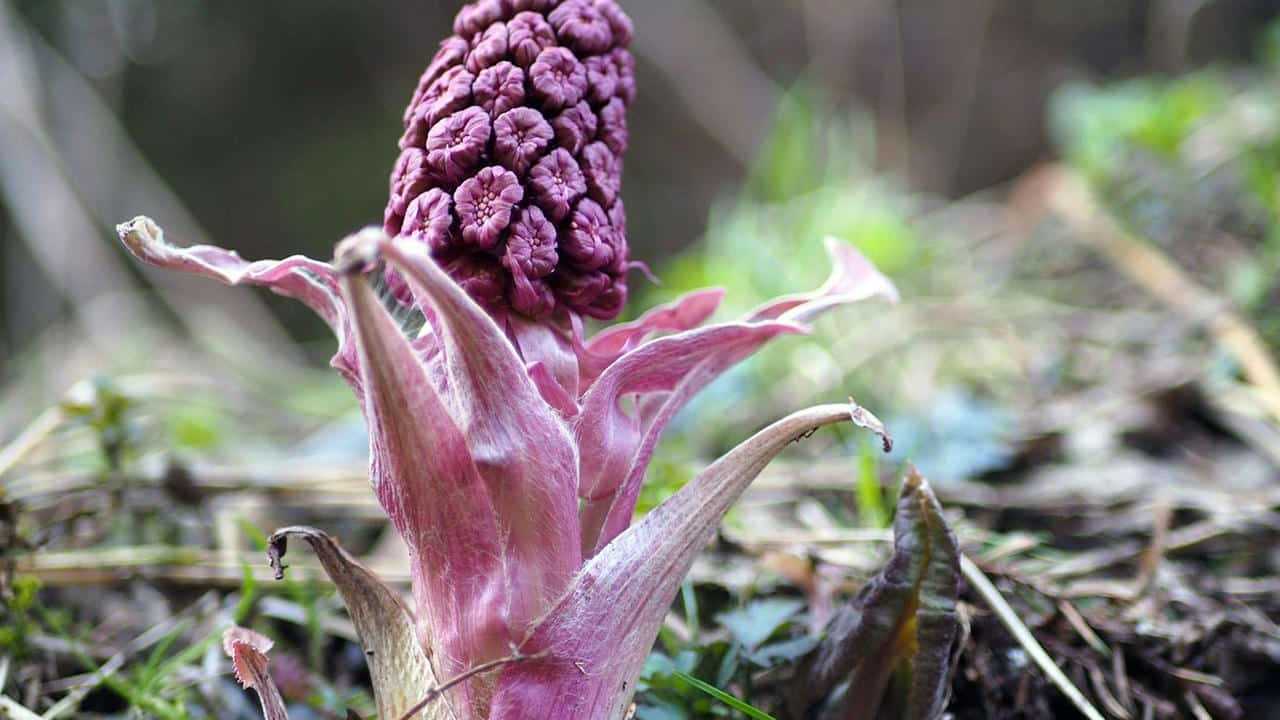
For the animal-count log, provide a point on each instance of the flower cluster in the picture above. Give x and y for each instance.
(510, 166)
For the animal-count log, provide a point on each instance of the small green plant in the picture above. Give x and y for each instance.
(18, 619)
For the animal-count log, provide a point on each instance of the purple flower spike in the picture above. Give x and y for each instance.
(575, 127)
(613, 126)
(558, 78)
(456, 144)
(508, 449)
(587, 242)
(528, 34)
(520, 137)
(580, 25)
(603, 173)
(499, 88)
(557, 183)
(490, 47)
(484, 204)
(536, 90)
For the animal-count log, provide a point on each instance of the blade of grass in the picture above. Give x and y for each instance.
(988, 591)
(737, 704)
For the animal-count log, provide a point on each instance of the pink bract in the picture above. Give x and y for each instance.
(509, 455)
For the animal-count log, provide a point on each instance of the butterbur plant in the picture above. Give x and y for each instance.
(507, 448)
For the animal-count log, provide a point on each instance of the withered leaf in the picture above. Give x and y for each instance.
(248, 652)
(887, 653)
(398, 666)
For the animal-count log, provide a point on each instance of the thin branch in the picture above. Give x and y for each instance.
(442, 688)
(29, 439)
(983, 586)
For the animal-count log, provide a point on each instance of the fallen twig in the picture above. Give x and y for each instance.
(437, 691)
(1009, 618)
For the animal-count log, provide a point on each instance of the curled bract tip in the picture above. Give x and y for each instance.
(359, 252)
(858, 272)
(247, 649)
(139, 232)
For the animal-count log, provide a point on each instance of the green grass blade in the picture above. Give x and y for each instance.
(751, 711)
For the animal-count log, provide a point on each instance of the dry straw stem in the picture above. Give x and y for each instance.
(28, 440)
(11, 710)
(979, 581)
(1142, 263)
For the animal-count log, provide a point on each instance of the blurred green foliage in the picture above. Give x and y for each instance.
(689, 678)
(812, 178)
(1188, 163)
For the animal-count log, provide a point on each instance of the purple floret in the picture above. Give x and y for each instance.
(594, 294)
(602, 79)
(558, 79)
(429, 218)
(528, 34)
(557, 183)
(481, 276)
(453, 51)
(623, 28)
(613, 126)
(499, 88)
(456, 143)
(603, 173)
(520, 137)
(625, 62)
(575, 127)
(586, 240)
(484, 204)
(477, 16)
(490, 48)
(531, 256)
(582, 27)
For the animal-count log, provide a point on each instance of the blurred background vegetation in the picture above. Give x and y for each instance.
(934, 136)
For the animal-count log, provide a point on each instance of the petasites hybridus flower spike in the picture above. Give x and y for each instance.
(507, 449)
(510, 167)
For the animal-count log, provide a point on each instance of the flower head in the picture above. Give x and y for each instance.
(540, 89)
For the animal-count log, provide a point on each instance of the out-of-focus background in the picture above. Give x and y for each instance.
(271, 127)
(1078, 201)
